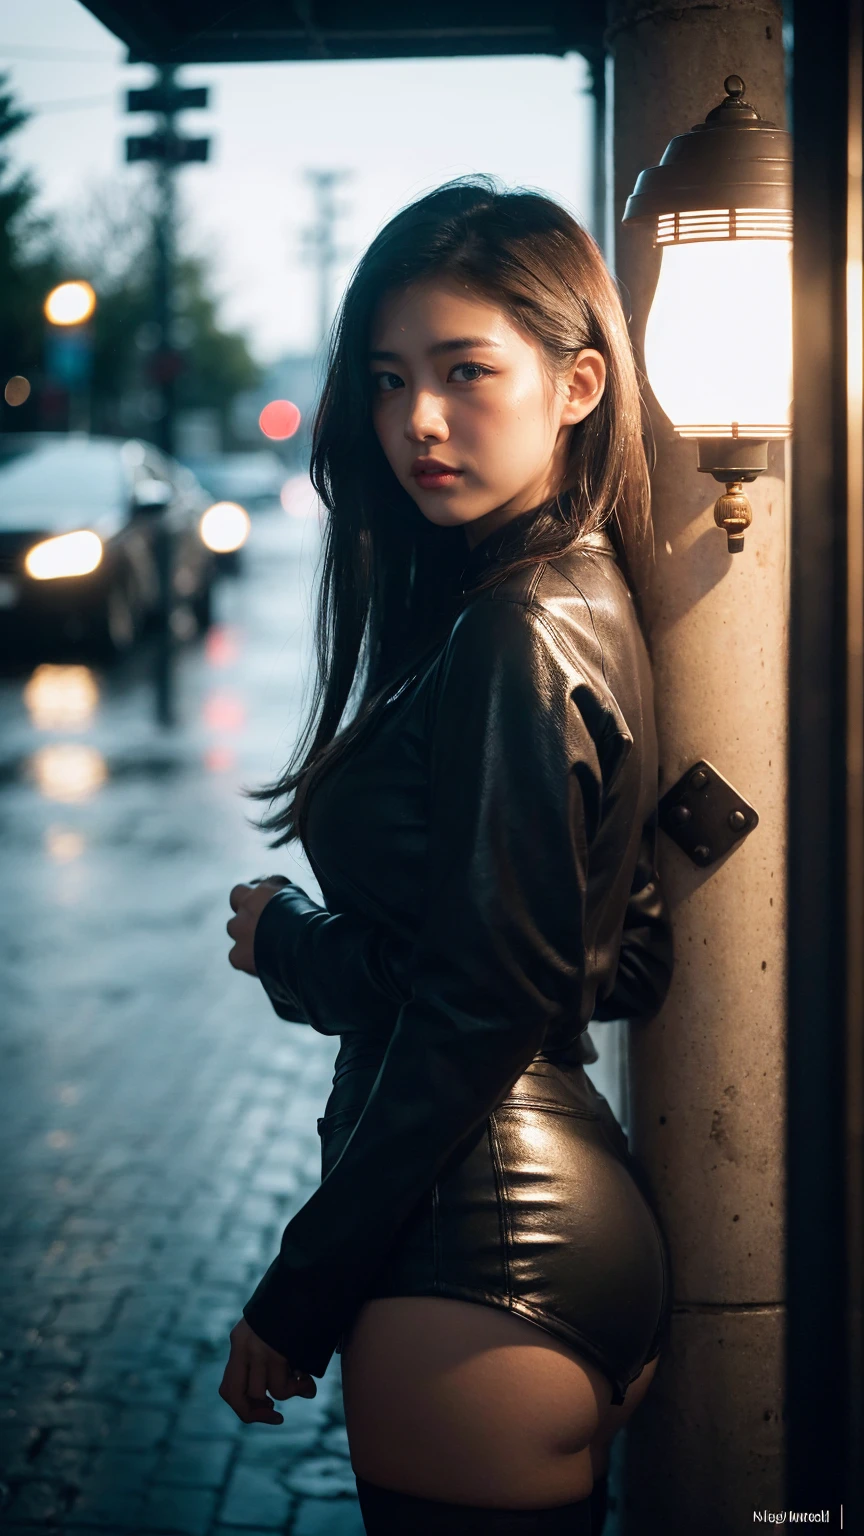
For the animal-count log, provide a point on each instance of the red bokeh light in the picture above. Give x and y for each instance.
(280, 418)
(222, 645)
(219, 759)
(224, 712)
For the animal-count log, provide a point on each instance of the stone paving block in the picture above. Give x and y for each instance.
(186, 1511)
(77, 1422)
(83, 1316)
(339, 1517)
(334, 1441)
(225, 1530)
(321, 1477)
(108, 1509)
(56, 1462)
(275, 1181)
(256, 1497)
(195, 1463)
(79, 1224)
(18, 1441)
(12, 1369)
(283, 1448)
(44, 1530)
(207, 1378)
(55, 1349)
(37, 1502)
(138, 1429)
(206, 1420)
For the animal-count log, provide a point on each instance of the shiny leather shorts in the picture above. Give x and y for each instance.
(545, 1214)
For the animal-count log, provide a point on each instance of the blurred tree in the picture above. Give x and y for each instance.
(108, 239)
(113, 245)
(30, 264)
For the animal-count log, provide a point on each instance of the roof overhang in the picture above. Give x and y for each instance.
(199, 32)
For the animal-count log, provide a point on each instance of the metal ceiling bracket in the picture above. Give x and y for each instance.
(704, 815)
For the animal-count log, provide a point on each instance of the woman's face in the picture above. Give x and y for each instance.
(470, 422)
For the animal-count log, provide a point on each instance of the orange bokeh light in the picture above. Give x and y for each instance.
(279, 419)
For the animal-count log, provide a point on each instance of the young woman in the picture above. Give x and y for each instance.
(483, 1247)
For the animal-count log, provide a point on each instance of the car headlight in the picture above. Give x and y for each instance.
(69, 554)
(224, 527)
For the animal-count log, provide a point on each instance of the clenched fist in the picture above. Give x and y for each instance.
(248, 902)
(255, 1374)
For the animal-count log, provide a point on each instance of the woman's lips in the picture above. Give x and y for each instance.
(436, 479)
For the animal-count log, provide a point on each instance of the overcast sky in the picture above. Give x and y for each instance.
(399, 127)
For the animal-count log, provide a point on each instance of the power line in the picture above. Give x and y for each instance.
(60, 55)
(69, 104)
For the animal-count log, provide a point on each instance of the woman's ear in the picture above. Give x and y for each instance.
(583, 385)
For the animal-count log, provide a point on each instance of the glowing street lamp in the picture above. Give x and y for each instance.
(718, 343)
(69, 346)
(70, 304)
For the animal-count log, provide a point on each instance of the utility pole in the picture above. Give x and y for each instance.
(707, 1114)
(319, 242)
(166, 149)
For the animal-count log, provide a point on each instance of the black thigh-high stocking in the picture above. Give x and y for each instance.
(388, 1513)
(598, 1500)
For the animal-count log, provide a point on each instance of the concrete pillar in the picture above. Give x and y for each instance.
(707, 1084)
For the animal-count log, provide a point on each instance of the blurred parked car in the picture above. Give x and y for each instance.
(80, 523)
(253, 479)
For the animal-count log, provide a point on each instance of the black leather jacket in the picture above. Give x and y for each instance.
(486, 853)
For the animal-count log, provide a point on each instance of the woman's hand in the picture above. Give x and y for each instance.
(253, 1370)
(248, 902)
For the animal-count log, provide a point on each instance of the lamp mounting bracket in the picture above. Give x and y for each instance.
(705, 815)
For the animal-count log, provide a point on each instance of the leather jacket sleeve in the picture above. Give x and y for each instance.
(337, 971)
(646, 957)
(514, 770)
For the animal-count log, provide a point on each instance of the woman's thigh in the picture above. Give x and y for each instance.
(468, 1403)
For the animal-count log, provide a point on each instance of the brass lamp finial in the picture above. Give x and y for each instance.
(734, 513)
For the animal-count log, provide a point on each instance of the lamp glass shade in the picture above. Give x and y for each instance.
(718, 343)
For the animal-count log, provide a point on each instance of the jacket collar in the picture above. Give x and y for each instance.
(507, 540)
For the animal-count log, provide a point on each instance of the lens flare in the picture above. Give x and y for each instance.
(225, 527)
(17, 390)
(70, 303)
(279, 419)
(70, 554)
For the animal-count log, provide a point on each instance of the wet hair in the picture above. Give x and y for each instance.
(389, 579)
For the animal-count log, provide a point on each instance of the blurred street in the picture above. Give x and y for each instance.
(158, 1121)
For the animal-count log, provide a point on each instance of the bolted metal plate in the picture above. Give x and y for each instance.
(704, 815)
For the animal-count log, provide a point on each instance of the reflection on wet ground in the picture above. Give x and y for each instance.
(157, 1121)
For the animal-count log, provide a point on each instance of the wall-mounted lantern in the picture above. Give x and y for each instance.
(718, 343)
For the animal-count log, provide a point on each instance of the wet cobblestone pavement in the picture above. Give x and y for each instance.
(157, 1120)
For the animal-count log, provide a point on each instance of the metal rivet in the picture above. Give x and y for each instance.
(701, 852)
(699, 779)
(737, 820)
(679, 814)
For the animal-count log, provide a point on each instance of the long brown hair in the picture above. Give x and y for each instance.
(389, 584)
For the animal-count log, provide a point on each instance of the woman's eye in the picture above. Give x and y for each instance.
(386, 382)
(476, 369)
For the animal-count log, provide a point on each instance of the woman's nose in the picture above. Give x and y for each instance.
(425, 418)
